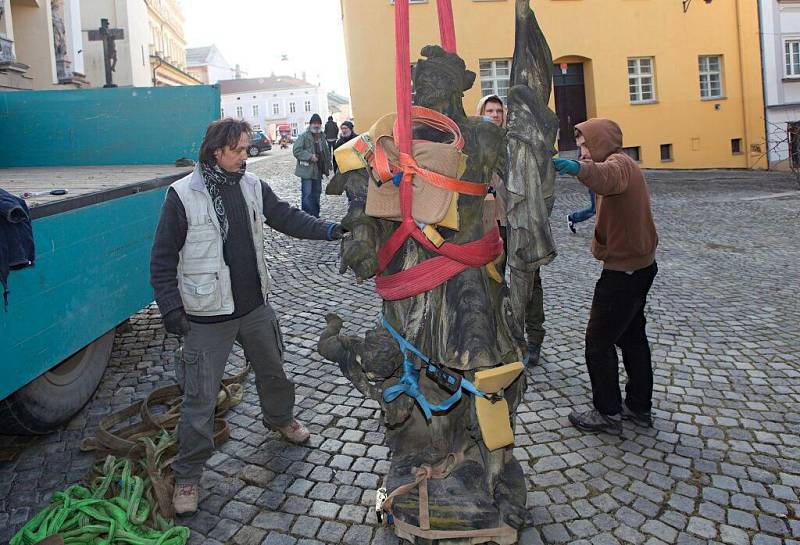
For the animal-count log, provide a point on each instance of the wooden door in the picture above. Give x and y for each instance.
(570, 95)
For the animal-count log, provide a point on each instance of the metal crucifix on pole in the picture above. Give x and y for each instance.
(108, 36)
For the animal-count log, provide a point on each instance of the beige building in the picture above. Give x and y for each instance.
(40, 44)
(339, 107)
(153, 49)
(168, 44)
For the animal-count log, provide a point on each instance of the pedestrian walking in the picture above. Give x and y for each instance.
(625, 241)
(492, 109)
(346, 133)
(313, 162)
(209, 274)
(331, 134)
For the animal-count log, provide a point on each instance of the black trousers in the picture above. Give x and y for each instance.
(617, 320)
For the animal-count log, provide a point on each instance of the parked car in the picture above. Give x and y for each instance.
(258, 143)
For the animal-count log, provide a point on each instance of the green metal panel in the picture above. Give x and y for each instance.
(91, 273)
(117, 126)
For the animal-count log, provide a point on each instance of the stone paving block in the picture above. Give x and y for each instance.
(249, 535)
(306, 526)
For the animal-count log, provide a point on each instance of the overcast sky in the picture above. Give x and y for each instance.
(257, 33)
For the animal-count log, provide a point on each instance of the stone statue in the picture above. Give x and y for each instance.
(454, 486)
(60, 40)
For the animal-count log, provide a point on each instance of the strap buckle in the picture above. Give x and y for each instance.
(493, 398)
(450, 382)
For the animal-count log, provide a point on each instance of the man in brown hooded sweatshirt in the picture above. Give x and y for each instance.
(625, 241)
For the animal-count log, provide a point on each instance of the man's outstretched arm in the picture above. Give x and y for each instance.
(291, 221)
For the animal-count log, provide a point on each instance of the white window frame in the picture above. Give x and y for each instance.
(307, 105)
(707, 77)
(255, 111)
(294, 129)
(791, 57)
(292, 107)
(239, 112)
(495, 77)
(276, 108)
(639, 79)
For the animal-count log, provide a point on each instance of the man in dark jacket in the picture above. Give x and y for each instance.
(211, 281)
(625, 241)
(346, 134)
(331, 133)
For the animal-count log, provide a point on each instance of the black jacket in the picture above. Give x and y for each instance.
(16, 237)
(331, 130)
(246, 287)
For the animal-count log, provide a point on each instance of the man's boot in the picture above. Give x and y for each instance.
(184, 499)
(295, 432)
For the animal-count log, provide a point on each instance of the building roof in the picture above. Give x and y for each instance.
(337, 99)
(198, 55)
(271, 83)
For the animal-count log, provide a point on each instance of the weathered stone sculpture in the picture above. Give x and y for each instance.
(454, 486)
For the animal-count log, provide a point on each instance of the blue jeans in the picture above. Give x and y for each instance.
(586, 213)
(310, 190)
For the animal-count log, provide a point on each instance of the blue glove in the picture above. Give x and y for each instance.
(567, 166)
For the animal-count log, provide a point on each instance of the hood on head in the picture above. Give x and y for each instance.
(603, 137)
(482, 104)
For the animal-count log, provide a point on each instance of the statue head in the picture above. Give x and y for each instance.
(440, 80)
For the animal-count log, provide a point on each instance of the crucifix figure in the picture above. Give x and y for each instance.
(108, 36)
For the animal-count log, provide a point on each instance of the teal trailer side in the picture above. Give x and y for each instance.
(118, 126)
(91, 273)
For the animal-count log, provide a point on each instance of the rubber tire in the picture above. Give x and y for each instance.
(51, 400)
(252, 151)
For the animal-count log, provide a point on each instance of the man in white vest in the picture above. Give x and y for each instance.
(209, 273)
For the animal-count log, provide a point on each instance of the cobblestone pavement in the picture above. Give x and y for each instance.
(721, 465)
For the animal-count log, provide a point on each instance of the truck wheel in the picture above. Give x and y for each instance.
(252, 151)
(53, 398)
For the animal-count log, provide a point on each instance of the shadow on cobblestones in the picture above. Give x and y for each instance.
(722, 463)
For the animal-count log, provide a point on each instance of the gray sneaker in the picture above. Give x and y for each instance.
(643, 419)
(593, 420)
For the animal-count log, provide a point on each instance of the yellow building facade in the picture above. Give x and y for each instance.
(168, 44)
(685, 85)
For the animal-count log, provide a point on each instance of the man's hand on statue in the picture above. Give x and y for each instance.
(567, 166)
(177, 322)
(338, 232)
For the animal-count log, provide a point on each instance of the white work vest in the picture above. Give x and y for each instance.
(204, 279)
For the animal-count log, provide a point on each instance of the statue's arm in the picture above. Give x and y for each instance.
(360, 251)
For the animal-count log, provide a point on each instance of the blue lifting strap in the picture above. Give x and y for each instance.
(409, 382)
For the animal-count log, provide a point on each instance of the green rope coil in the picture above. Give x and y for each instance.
(112, 510)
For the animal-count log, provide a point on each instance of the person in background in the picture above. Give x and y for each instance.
(585, 214)
(209, 274)
(346, 133)
(331, 133)
(492, 109)
(625, 240)
(313, 162)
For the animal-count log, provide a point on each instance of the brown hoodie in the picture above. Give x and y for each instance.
(625, 236)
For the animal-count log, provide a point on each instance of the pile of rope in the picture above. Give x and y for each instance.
(127, 499)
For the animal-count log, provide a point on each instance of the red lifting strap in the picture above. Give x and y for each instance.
(453, 258)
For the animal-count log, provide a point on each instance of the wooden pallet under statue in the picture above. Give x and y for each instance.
(445, 361)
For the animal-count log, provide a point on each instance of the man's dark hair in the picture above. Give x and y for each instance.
(221, 133)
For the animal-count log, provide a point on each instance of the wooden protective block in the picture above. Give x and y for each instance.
(493, 418)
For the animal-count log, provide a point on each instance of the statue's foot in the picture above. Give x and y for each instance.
(459, 502)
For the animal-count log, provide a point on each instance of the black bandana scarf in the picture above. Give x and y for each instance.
(214, 177)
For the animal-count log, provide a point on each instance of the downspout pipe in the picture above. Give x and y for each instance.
(761, 37)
